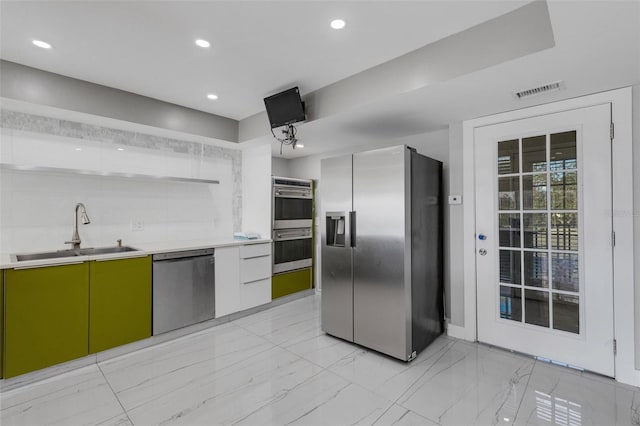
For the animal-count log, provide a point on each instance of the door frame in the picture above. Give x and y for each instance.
(623, 257)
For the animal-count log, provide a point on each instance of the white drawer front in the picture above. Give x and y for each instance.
(255, 250)
(255, 293)
(255, 268)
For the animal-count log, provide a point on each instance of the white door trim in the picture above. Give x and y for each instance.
(623, 285)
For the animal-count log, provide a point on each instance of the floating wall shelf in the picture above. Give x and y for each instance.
(18, 167)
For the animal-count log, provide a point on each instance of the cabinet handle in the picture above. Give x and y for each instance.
(18, 268)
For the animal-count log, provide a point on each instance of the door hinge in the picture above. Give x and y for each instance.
(613, 238)
(611, 130)
(615, 347)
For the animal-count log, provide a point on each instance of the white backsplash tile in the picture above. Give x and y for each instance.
(36, 208)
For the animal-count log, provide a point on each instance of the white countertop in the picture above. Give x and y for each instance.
(7, 259)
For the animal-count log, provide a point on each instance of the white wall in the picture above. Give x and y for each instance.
(36, 208)
(256, 190)
(280, 167)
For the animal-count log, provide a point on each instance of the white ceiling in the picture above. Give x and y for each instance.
(258, 47)
(262, 47)
(597, 48)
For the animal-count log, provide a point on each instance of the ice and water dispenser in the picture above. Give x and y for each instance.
(336, 229)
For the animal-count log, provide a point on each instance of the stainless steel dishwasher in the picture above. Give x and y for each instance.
(183, 289)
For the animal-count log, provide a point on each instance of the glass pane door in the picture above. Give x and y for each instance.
(538, 224)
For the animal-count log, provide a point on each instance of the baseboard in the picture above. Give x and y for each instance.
(457, 332)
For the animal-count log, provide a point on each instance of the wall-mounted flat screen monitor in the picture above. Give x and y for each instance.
(285, 108)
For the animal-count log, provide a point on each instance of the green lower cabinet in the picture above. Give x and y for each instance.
(290, 282)
(1, 321)
(46, 317)
(120, 302)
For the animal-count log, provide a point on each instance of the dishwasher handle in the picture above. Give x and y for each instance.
(182, 254)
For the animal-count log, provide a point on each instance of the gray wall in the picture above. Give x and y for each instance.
(432, 144)
(280, 167)
(636, 213)
(35, 86)
(455, 228)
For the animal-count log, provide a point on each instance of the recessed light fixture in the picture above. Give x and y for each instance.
(299, 145)
(338, 24)
(78, 149)
(212, 96)
(120, 149)
(202, 43)
(42, 44)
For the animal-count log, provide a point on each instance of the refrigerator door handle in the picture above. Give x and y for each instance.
(352, 228)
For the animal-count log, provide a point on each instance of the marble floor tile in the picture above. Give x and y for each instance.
(304, 308)
(470, 384)
(323, 349)
(392, 377)
(276, 367)
(285, 327)
(325, 399)
(144, 375)
(400, 416)
(556, 395)
(227, 395)
(81, 397)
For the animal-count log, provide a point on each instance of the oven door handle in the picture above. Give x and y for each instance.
(292, 193)
(284, 236)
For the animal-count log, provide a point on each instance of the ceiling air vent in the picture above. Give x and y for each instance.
(545, 88)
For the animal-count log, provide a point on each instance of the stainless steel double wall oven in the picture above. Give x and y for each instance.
(292, 224)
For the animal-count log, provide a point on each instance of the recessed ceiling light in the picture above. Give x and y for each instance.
(299, 145)
(212, 96)
(120, 149)
(338, 24)
(78, 149)
(202, 43)
(42, 44)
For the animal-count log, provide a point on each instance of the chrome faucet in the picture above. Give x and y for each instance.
(75, 239)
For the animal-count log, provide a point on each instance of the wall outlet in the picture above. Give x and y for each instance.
(455, 199)
(137, 225)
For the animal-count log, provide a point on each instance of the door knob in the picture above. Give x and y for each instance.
(483, 252)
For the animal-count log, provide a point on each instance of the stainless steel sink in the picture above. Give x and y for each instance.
(72, 253)
(46, 255)
(104, 250)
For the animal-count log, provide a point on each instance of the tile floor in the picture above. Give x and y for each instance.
(277, 368)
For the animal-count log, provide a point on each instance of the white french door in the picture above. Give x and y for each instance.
(544, 237)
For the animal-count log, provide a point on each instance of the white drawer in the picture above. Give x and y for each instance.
(255, 293)
(255, 250)
(255, 268)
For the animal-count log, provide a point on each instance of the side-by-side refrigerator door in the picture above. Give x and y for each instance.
(337, 285)
(381, 297)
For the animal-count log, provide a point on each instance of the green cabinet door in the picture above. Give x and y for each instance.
(46, 316)
(120, 302)
(290, 282)
(1, 321)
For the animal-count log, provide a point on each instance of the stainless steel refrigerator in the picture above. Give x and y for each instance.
(382, 283)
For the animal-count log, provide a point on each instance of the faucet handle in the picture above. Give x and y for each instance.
(119, 241)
